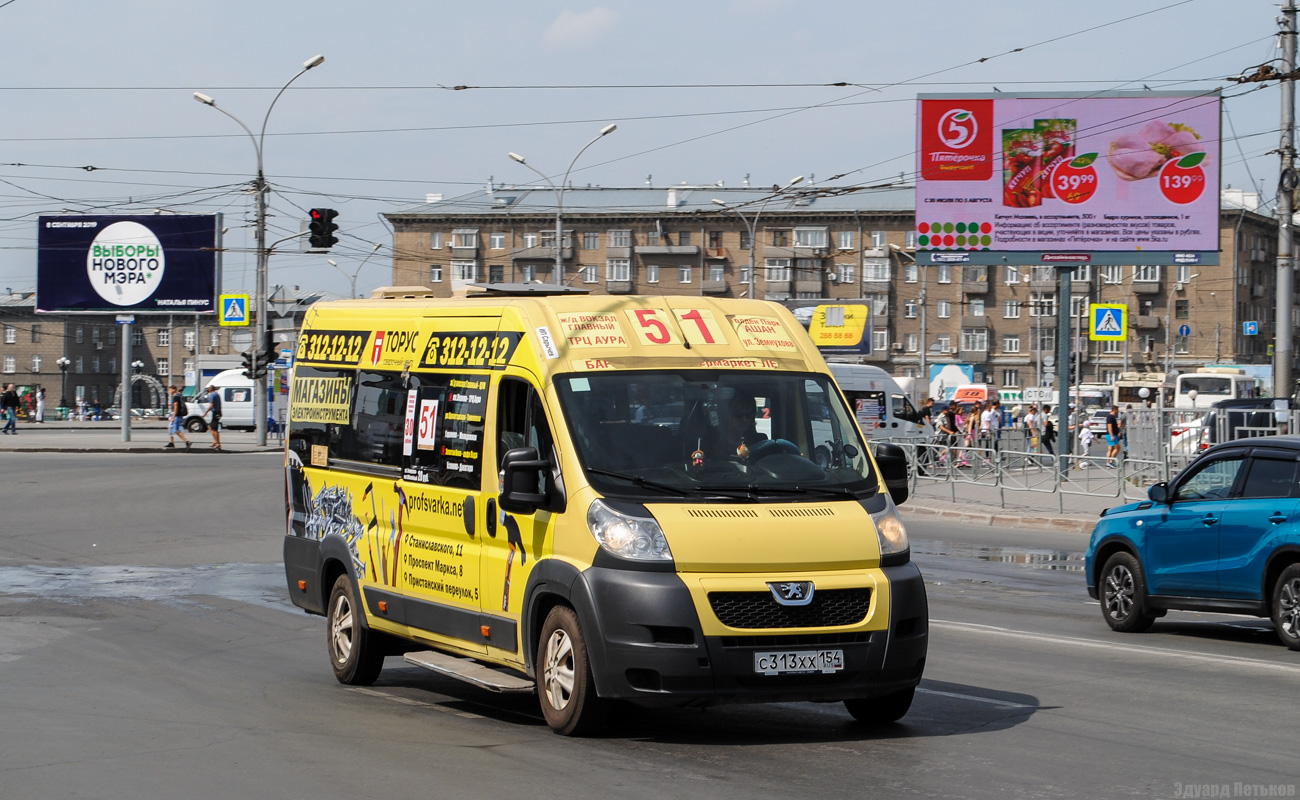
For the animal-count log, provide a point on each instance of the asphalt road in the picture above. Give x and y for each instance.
(147, 651)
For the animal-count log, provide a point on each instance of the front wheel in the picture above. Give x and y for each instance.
(882, 710)
(1286, 606)
(1123, 594)
(196, 425)
(355, 652)
(566, 689)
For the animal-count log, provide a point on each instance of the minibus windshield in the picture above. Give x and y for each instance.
(675, 435)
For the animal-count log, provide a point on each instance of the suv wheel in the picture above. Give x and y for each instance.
(1123, 592)
(1286, 606)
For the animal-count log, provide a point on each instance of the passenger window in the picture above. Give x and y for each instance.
(1212, 482)
(1270, 478)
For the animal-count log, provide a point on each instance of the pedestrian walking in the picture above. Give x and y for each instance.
(214, 416)
(1112, 437)
(1048, 428)
(9, 409)
(175, 416)
(1032, 432)
(40, 405)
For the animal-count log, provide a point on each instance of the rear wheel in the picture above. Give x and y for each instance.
(1123, 594)
(196, 425)
(882, 710)
(356, 654)
(1286, 606)
(565, 687)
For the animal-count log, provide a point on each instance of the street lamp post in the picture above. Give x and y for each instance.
(559, 196)
(261, 188)
(357, 271)
(751, 225)
(64, 362)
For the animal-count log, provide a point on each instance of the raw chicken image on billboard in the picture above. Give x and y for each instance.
(1116, 172)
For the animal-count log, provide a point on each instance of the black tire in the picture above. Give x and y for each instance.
(195, 425)
(1122, 589)
(882, 710)
(1286, 606)
(356, 654)
(566, 690)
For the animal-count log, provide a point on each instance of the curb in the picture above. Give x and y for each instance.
(1001, 519)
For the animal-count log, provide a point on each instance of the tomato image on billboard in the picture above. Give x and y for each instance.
(1076, 181)
(1183, 181)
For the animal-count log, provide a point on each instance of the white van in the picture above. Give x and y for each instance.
(236, 402)
(880, 405)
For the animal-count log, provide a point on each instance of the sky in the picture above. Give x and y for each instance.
(97, 114)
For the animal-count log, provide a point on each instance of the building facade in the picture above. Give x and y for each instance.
(806, 243)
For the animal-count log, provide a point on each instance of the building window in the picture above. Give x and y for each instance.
(497, 241)
(909, 273)
(620, 238)
(79, 335)
(1183, 273)
(879, 305)
(1112, 274)
(943, 342)
(214, 338)
(1078, 305)
(975, 339)
(465, 238)
(909, 240)
(844, 273)
(746, 241)
(878, 240)
(977, 306)
(715, 240)
(1082, 273)
(188, 365)
(945, 273)
(875, 270)
(777, 269)
(11, 334)
(464, 270)
(1109, 376)
(684, 238)
(94, 364)
(435, 273)
(496, 273)
(1147, 344)
(944, 309)
(1011, 309)
(36, 332)
(1011, 275)
(589, 274)
(844, 240)
(164, 366)
(618, 269)
(880, 340)
(530, 240)
(11, 364)
(188, 338)
(683, 274)
(1010, 343)
(976, 273)
(811, 237)
(529, 272)
(1180, 345)
(910, 342)
(1146, 273)
(94, 335)
(112, 336)
(435, 240)
(1111, 347)
(137, 337)
(717, 272)
(78, 365)
(1042, 304)
(652, 273)
(1010, 377)
(909, 309)
(1180, 309)
(36, 362)
(780, 238)
(590, 240)
(112, 365)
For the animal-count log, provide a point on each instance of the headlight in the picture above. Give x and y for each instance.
(636, 538)
(890, 531)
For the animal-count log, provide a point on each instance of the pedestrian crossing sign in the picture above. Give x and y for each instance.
(234, 309)
(1109, 322)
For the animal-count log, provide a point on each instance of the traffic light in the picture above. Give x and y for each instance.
(322, 228)
(250, 364)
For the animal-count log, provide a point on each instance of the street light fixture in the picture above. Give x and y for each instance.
(261, 188)
(357, 271)
(64, 362)
(752, 227)
(559, 195)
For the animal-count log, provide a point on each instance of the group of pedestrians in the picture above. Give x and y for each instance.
(177, 410)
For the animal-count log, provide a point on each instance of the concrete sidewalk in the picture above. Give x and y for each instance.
(147, 436)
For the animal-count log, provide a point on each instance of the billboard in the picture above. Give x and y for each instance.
(1102, 178)
(151, 264)
(841, 329)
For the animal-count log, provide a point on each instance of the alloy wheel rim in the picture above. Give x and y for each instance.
(1119, 592)
(558, 670)
(341, 630)
(1289, 608)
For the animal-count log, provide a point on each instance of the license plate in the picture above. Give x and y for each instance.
(796, 662)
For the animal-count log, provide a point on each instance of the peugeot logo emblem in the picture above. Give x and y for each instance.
(792, 593)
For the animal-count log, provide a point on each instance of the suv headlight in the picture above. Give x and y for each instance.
(635, 538)
(890, 531)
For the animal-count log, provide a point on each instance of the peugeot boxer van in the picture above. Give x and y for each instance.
(596, 499)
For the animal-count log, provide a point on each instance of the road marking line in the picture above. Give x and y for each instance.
(409, 702)
(971, 697)
(1210, 658)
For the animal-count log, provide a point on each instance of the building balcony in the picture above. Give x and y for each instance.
(1147, 321)
(804, 287)
(976, 322)
(975, 286)
(715, 287)
(666, 249)
(771, 251)
(776, 286)
(974, 356)
(1146, 287)
(619, 287)
(540, 253)
(618, 252)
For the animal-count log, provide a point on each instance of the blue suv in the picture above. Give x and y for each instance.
(1223, 536)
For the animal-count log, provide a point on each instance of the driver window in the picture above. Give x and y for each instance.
(521, 422)
(1212, 482)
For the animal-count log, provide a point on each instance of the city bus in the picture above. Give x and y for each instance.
(1128, 389)
(1212, 384)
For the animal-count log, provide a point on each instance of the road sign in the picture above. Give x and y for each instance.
(1250, 328)
(233, 309)
(1109, 321)
(241, 340)
(1184, 330)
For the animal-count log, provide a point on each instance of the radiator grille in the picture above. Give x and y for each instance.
(830, 607)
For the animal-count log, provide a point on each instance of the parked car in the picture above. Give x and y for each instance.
(1222, 536)
(1185, 437)
(1238, 419)
(1097, 421)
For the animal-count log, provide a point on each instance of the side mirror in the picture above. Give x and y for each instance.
(1159, 493)
(893, 468)
(521, 481)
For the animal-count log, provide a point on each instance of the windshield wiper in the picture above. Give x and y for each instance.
(639, 481)
(751, 489)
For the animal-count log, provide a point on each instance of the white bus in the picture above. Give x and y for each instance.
(1212, 384)
(1128, 389)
